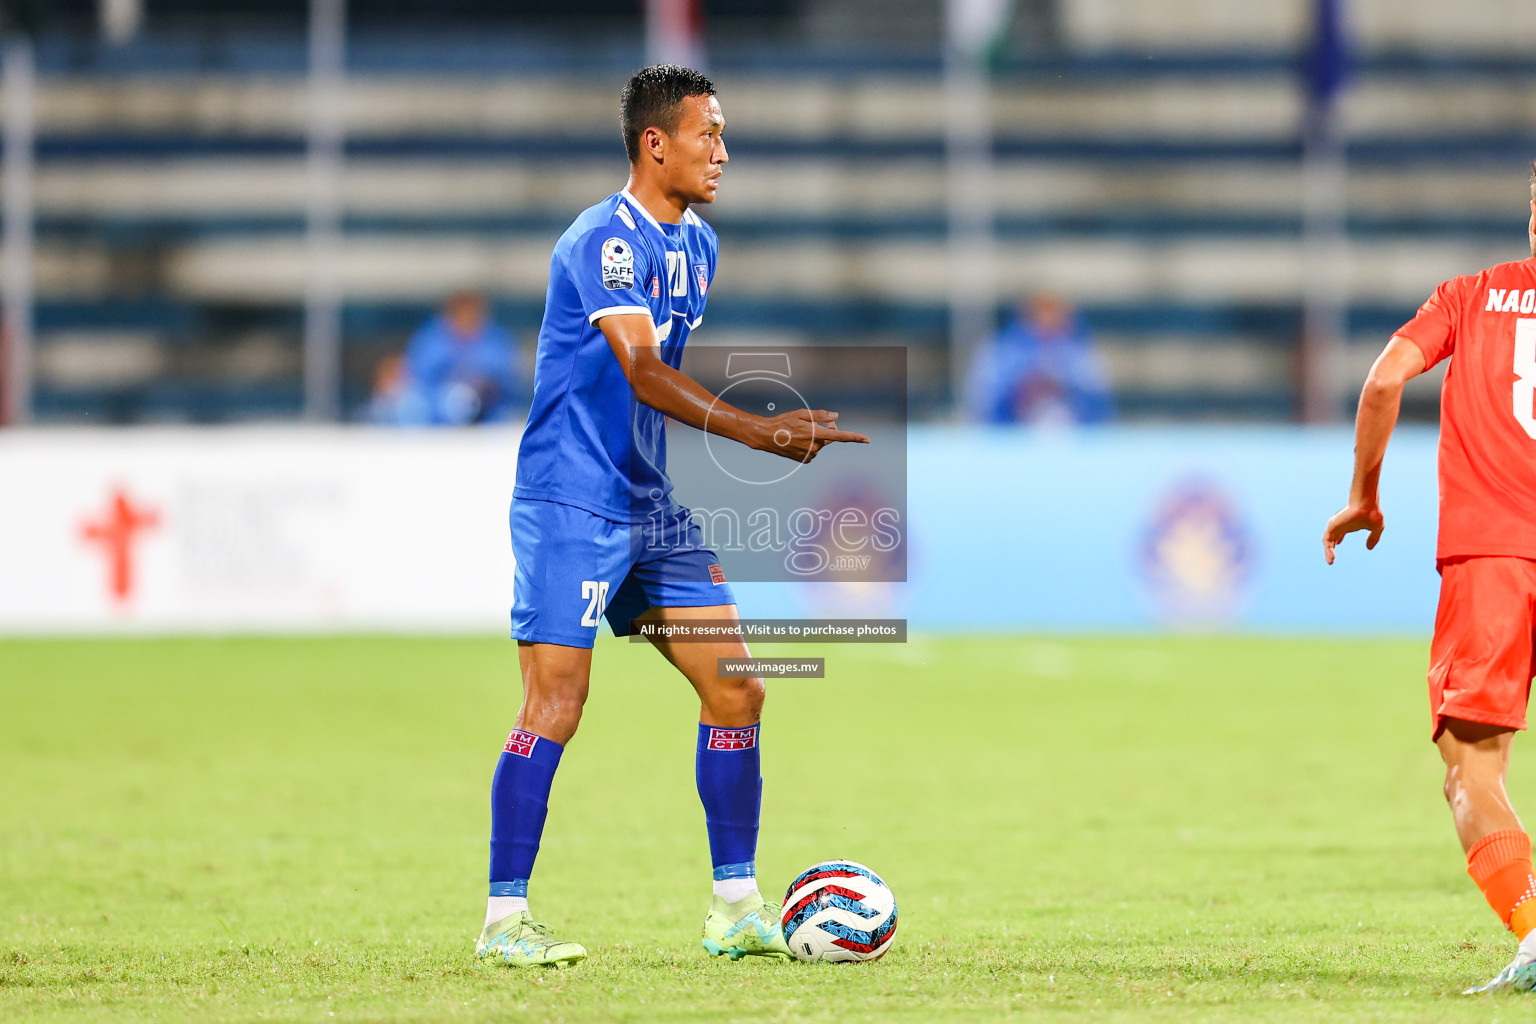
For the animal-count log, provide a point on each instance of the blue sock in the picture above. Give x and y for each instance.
(519, 803)
(728, 770)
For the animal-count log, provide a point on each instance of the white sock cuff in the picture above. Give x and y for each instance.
(498, 907)
(733, 890)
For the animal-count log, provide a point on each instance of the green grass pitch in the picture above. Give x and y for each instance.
(1086, 829)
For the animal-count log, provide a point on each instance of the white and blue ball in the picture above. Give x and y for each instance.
(839, 910)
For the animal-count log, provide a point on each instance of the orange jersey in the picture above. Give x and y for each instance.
(1486, 323)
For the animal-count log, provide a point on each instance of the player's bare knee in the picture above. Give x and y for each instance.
(737, 701)
(552, 704)
(750, 693)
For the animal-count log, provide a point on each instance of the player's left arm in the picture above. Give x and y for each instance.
(1380, 400)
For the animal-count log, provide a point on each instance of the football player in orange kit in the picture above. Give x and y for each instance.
(1481, 659)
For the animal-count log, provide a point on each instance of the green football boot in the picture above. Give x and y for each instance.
(748, 927)
(521, 941)
(1519, 976)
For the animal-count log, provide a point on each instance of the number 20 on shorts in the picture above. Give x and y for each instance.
(595, 593)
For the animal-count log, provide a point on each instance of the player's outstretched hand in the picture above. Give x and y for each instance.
(800, 434)
(1349, 519)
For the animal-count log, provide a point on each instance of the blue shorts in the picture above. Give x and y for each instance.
(575, 567)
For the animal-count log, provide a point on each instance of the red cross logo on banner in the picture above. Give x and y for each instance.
(116, 531)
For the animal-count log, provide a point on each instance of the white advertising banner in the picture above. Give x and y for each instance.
(354, 529)
(255, 529)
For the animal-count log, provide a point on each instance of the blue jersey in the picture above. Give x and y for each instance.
(589, 442)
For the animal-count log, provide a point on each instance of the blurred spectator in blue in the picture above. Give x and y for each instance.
(1039, 369)
(459, 368)
(394, 402)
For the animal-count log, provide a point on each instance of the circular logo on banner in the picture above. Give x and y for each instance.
(1197, 555)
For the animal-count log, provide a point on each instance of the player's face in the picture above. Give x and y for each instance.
(696, 154)
(1531, 229)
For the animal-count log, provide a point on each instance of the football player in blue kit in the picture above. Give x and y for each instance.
(595, 529)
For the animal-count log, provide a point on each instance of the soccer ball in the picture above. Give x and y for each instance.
(839, 910)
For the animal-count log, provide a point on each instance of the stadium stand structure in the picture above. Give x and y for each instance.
(1160, 193)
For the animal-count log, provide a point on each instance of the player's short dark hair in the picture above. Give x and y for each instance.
(1533, 179)
(651, 98)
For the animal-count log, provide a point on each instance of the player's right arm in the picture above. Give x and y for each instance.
(797, 435)
(1380, 400)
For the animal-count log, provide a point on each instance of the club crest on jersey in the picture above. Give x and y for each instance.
(733, 739)
(618, 261)
(701, 274)
(716, 575)
(520, 743)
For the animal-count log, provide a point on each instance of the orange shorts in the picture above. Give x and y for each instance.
(1481, 660)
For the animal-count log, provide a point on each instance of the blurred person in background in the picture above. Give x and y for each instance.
(395, 402)
(459, 368)
(1039, 369)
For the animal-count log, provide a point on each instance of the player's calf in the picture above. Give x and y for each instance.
(555, 684)
(1476, 755)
